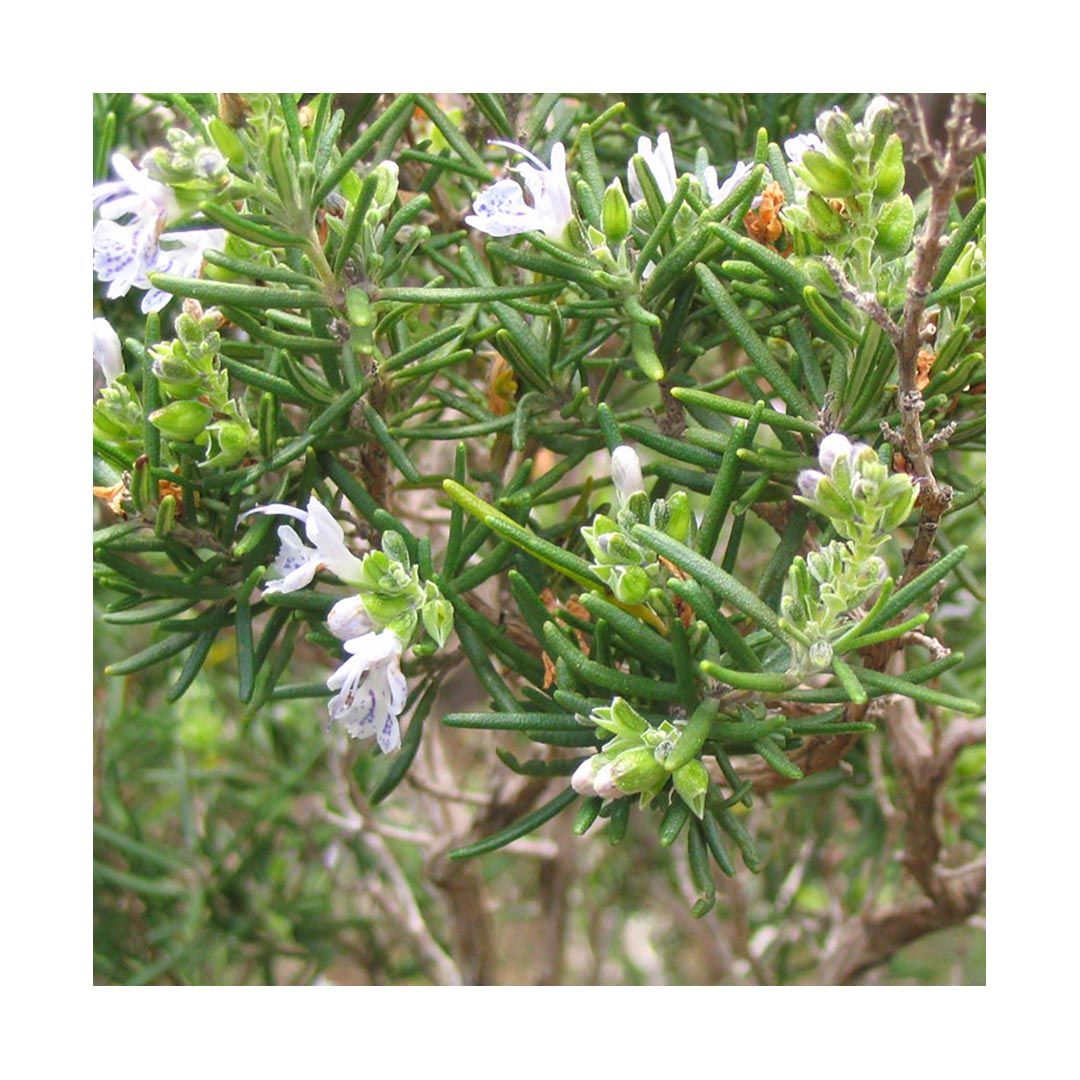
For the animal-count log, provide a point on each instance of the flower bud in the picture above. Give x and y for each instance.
(628, 720)
(166, 516)
(879, 120)
(825, 221)
(821, 654)
(384, 609)
(584, 775)
(638, 506)
(890, 170)
(692, 783)
(808, 482)
(616, 213)
(396, 549)
(235, 438)
(680, 517)
(621, 551)
(603, 782)
(631, 585)
(831, 503)
(900, 491)
(637, 770)
(404, 625)
(107, 427)
(818, 566)
(833, 447)
(438, 615)
(349, 619)
(626, 472)
(182, 378)
(896, 227)
(182, 420)
(827, 177)
(227, 141)
(659, 515)
(385, 190)
(836, 130)
(107, 353)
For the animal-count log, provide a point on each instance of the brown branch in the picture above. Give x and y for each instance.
(944, 167)
(555, 879)
(866, 942)
(460, 884)
(960, 734)
(950, 896)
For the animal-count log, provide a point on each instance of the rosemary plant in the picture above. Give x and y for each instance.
(661, 434)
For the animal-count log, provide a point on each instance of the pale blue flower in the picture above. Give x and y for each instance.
(371, 689)
(661, 163)
(130, 241)
(107, 352)
(797, 145)
(719, 192)
(501, 210)
(297, 563)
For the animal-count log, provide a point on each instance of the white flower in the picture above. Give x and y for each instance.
(501, 210)
(661, 163)
(124, 254)
(719, 192)
(297, 563)
(797, 145)
(107, 350)
(181, 255)
(371, 689)
(146, 201)
(626, 472)
(130, 241)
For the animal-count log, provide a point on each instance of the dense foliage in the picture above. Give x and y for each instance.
(540, 538)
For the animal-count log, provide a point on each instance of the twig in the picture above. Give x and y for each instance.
(440, 792)
(408, 913)
(951, 896)
(944, 168)
(398, 897)
(866, 302)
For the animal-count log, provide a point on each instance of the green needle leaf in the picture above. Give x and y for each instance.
(520, 828)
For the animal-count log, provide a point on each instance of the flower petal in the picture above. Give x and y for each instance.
(500, 210)
(107, 353)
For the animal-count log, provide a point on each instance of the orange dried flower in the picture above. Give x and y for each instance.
(502, 386)
(549, 671)
(923, 363)
(112, 497)
(764, 224)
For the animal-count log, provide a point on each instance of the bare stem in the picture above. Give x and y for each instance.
(944, 168)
